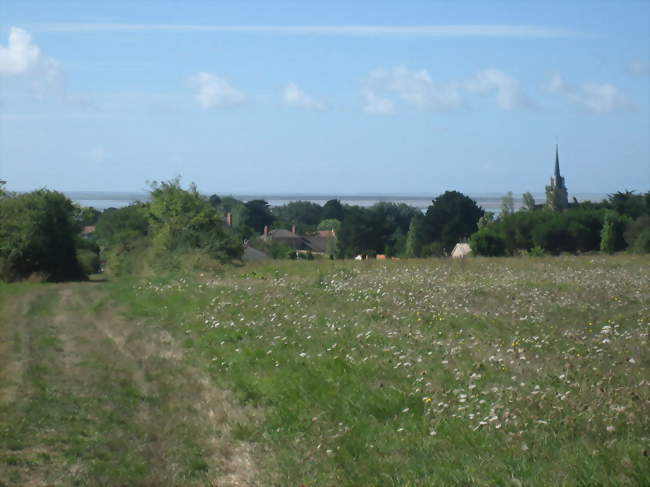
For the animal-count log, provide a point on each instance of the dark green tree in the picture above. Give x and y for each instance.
(415, 237)
(333, 209)
(299, 212)
(629, 204)
(259, 215)
(451, 217)
(37, 235)
(215, 200)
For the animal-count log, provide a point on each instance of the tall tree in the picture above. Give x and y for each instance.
(507, 204)
(451, 217)
(333, 209)
(414, 237)
(529, 202)
(259, 215)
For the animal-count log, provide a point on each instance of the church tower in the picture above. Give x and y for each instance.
(557, 196)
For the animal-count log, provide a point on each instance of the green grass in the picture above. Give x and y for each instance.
(481, 372)
(80, 407)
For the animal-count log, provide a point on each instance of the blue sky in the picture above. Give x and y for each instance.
(325, 97)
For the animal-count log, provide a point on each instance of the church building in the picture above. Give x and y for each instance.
(557, 196)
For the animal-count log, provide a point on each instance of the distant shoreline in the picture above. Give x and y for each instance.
(102, 200)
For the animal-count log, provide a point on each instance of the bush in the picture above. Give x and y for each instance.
(488, 241)
(88, 260)
(37, 236)
(641, 244)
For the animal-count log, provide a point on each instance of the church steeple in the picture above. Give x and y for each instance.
(557, 197)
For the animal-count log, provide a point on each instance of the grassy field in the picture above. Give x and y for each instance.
(428, 372)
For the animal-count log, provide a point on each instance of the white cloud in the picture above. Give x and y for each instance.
(594, 97)
(21, 58)
(215, 92)
(466, 30)
(597, 98)
(415, 88)
(295, 97)
(418, 89)
(376, 105)
(509, 95)
(21, 55)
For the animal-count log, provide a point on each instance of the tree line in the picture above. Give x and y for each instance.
(180, 229)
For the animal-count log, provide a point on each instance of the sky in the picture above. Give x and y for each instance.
(326, 97)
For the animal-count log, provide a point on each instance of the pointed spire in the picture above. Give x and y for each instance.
(557, 164)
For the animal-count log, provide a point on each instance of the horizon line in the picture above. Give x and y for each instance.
(458, 30)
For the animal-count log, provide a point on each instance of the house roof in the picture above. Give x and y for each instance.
(313, 243)
(282, 233)
(252, 254)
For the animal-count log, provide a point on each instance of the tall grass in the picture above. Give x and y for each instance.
(481, 372)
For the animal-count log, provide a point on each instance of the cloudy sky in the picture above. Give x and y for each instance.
(325, 96)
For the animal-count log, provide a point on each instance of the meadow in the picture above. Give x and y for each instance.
(479, 372)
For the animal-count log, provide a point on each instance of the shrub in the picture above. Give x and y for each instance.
(37, 235)
(488, 241)
(88, 260)
(641, 244)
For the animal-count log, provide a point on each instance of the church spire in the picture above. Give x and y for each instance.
(557, 197)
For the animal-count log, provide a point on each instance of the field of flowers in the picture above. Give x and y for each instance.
(514, 371)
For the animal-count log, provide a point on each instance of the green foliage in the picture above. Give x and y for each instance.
(629, 204)
(641, 244)
(488, 241)
(376, 230)
(451, 218)
(89, 261)
(637, 235)
(485, 220)
(330, 224)
(573, 230)
(415, 237)
(181, 220)
(86, 216)
(122, 226)
(536, 252)
(612, 233)
(507, 205)
(333, 209)
(278, 250)
(215, 200)
(299, 212)
(37, 235)
(123, 234)
(177, 230)
(529, 202)
(259, 215)
(607, 235)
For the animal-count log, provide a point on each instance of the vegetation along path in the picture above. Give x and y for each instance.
(88, 397)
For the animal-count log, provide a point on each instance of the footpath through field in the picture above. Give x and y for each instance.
(88, 397)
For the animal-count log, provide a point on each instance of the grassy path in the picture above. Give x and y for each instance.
(89, 398)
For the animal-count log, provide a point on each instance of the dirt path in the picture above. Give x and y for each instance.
(90, 398)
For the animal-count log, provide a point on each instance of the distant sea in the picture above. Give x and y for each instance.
(102, 200)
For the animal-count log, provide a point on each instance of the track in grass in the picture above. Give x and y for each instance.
(90, 398)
